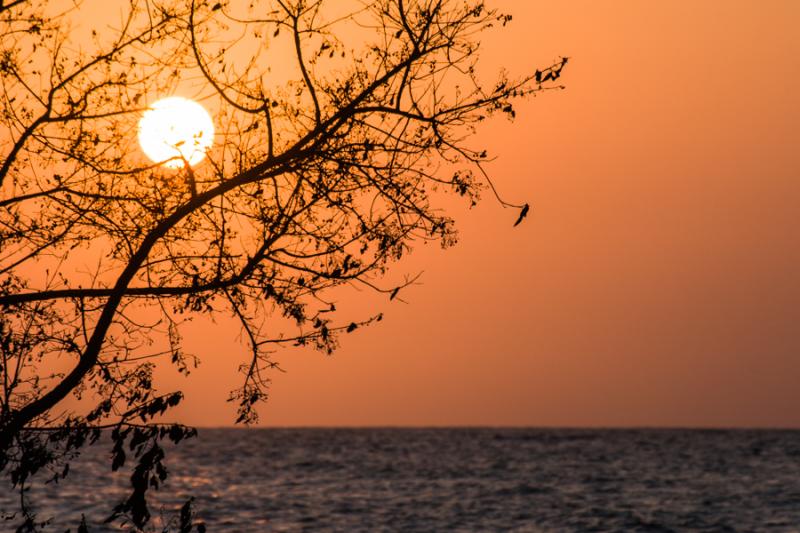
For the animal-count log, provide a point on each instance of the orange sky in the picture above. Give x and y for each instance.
(656, 282)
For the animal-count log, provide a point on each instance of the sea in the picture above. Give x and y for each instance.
(453, 480)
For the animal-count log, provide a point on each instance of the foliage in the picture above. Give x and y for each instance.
(340, 126)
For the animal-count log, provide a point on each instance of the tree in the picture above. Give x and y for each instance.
(324, 171)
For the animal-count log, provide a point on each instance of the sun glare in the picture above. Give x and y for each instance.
(176, 130)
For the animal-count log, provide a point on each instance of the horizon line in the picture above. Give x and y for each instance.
(509, 427)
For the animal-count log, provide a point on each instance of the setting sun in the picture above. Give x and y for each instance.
(175, 130)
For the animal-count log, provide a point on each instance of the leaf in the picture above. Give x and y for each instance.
(118, 460)
(522, 214)
(185, 524)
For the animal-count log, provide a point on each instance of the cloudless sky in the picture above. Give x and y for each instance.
(656, 282)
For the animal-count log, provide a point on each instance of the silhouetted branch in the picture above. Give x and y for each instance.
(320, 177)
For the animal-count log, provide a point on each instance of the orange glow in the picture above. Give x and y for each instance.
(655, 282)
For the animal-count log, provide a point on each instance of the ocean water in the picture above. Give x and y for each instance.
(461, 480)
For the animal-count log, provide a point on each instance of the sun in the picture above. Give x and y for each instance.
(175, 130)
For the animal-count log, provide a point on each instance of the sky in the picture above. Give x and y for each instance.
(655, 282)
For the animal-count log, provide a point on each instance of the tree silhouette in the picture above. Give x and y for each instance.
(340, 126)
